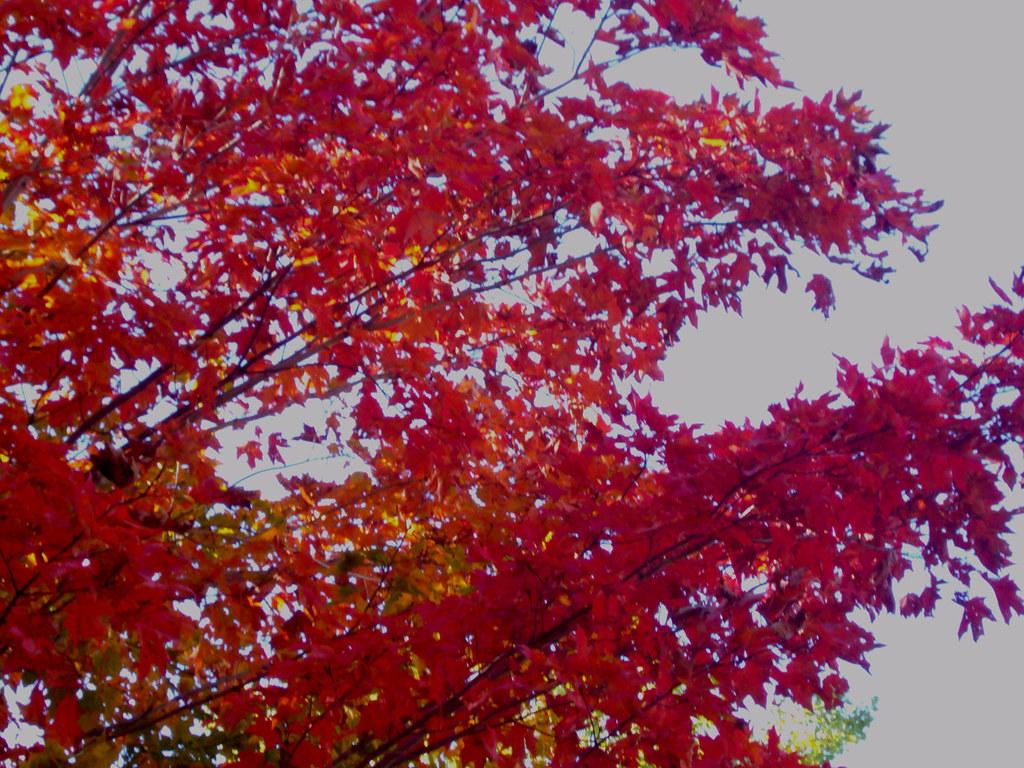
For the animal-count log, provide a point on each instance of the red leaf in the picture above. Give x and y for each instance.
(309, 435)
(213, 491)
(35, 710)
(1008, 597)
(66, 728)
(276, 442)
(888, 353)
(999, 291)
(975, 613)
(824, 298)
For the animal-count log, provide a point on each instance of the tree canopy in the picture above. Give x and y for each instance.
(822, 733)
(389, 233)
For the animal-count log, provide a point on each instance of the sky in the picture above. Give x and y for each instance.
(946, 76)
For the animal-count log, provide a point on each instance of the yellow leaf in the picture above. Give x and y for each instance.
(22, 97)
(251, 185)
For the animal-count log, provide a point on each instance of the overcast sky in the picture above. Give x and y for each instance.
(947, 77)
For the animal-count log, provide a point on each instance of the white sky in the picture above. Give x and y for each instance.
(947, 77)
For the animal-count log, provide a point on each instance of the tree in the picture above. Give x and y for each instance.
(819, 733)
(391, 223)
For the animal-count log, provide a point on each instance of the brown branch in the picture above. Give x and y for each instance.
(125, 397)
(111, 57)
(20, 592)
(155, 715)
(15, 185)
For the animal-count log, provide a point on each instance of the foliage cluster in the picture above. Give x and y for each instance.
(217, 215)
